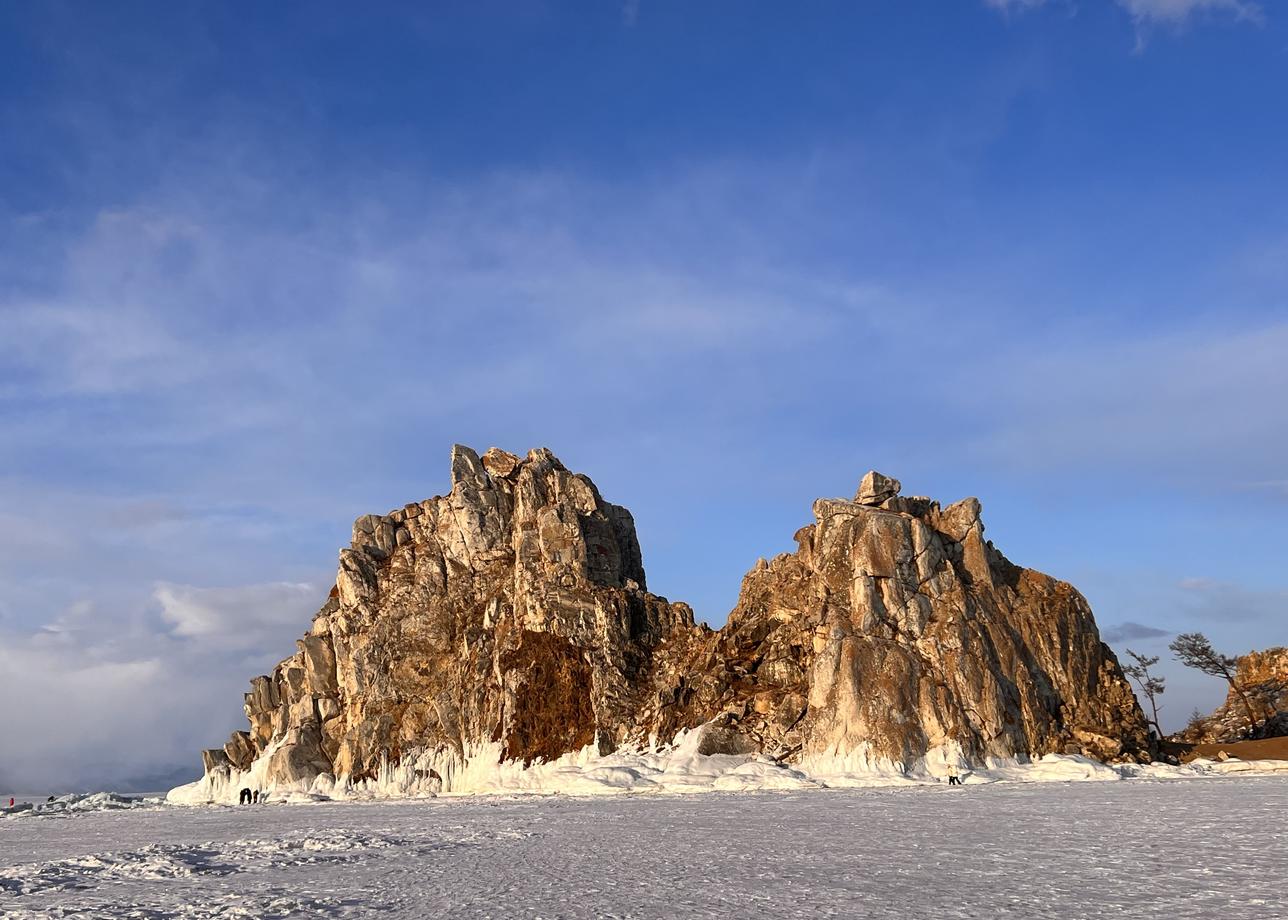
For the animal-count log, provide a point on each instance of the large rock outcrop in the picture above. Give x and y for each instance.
(1262, 680)
(894, 630)
(510, 620)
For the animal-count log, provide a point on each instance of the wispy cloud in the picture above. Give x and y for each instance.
(238, 617)
(1129, 631)
(1212, 601)
(1178, 12)
(107, 699)
(1010, 6)
(1151, 13)
(1160, 403)
(1274, 487)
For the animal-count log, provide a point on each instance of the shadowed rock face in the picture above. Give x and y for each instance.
(514, 610)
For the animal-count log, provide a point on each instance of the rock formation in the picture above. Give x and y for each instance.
(894, 630)
(510, 619)
(1263, 678)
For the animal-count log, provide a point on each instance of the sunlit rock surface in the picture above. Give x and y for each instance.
(510, 619)
(1257, 709)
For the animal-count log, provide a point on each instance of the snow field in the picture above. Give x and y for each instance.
(1140, 848)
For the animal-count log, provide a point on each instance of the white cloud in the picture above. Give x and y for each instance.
(1007, 6)
(100, 333)
(97, 698)
(1144, 13)
(1178, 12)
(1214, 602)
(244, 616)
(1129, 631)
(78, 713)
(1172, 407)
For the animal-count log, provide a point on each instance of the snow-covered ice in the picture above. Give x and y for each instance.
(671, 768)
(76, 803)
(1148, 846)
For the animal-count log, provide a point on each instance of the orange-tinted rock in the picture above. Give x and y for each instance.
(513, 610)
(1263, 678)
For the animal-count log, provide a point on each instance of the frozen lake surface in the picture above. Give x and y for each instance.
(1212, 847)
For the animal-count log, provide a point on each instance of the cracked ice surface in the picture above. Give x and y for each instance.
(1210, 847)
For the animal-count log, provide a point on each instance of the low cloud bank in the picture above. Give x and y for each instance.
(90, 704)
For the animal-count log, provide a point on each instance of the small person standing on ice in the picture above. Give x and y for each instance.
(953, 778)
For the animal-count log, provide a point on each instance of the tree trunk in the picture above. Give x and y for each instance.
(1154, 706)
(1247, 707)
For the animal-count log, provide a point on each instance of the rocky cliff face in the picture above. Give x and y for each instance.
(512, 610)
(1263, 678)
(894, 630)
(510, 620)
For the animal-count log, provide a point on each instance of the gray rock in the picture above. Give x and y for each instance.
(466, 467)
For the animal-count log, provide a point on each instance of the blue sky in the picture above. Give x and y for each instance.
(261, 265)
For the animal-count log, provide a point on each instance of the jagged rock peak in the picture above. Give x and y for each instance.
(466, 466)
(512, 610)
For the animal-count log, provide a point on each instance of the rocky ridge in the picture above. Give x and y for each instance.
(1263, 678)
(510, 620)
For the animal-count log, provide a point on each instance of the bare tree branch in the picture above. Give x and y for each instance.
(1195, 651)
(1152, 687)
